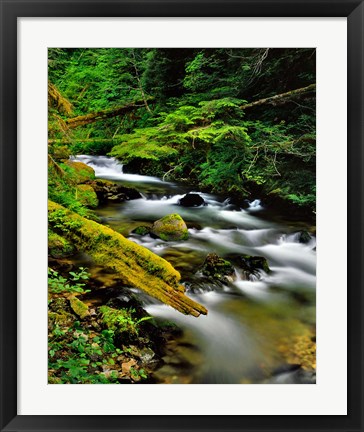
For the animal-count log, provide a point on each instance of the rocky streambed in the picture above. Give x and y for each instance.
(255, 275)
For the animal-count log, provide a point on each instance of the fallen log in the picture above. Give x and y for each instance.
(84, 140)
(101, 115)
(281, 98)
(134, 264)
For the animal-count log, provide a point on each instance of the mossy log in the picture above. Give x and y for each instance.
(282, 98)
(57, 100)
(69, 140)
(134, 264)
(101, 115)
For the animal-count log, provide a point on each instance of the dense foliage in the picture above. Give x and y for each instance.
(82, 352)
(190, 121)
(238, 122)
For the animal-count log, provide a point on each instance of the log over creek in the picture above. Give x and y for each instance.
(259, 324)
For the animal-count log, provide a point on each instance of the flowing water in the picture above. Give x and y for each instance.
(253, 324)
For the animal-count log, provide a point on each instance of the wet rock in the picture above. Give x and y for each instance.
(285, 368)
(141, 230)
(109, 191)
(252, 264)
(294, 376)
(118, 197)
(146, 355)
(194, 225)
(125, 300)
(304, 237)
(217, 268)
(192, 200)
(170, 227)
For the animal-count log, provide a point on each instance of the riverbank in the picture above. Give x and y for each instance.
(260, 328)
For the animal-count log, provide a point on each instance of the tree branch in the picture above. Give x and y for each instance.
(281, 98)
(102, 115)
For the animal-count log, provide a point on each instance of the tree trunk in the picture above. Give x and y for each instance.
(282, 98)
(139, 82)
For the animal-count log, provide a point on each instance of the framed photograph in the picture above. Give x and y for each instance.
(181, 207)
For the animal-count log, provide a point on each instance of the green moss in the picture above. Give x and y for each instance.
(131, 262)
(79, 307)
(87, 196)
(141, 230)
(58, 246)
(216, 267)
(54, 380)
(61, 318)
(63, 188)
(80, 172)
(170, 227)
(119, 320)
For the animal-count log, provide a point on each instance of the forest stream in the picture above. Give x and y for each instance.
(255, 325)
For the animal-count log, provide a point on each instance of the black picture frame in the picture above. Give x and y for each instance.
(10, 11)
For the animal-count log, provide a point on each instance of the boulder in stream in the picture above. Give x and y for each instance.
(304, 237)
(217, 268)
(109, 191)
(170, 227)
(252, 264)
(192, 200)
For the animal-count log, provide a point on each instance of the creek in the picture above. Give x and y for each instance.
(253, 323)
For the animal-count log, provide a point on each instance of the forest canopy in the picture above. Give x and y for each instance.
(233, 121)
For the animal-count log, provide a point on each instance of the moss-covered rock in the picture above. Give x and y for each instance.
(170, 227)
(58, 246)
(217, 268)
(87, 196)
(252, 264)
(135, 265)
(79, 307)
(60, 318)
(80, 172)
(141, 230)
